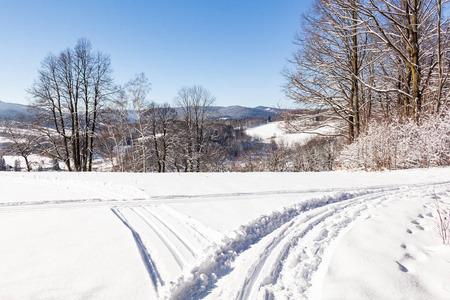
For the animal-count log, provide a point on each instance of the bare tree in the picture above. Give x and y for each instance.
(331, 58)
(442, 56)
(23, 138)
(193, 103)
(137, 90)
(162, 133)
(115, 132)
(412, 32)
(68, 94)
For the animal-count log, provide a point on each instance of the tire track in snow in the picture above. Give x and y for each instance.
(166, 231)
(278, 249)
(306, 242)
(255, 270)
(145, 255)
(176, 254)
(204, 235)
(217, 197)
(216, 265)
(166, 239)
(172, 229)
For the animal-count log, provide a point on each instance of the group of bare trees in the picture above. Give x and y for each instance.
(143, 136)
(68, 95)
(138, 135)
(23, 139)
(365, 60)
(80, 114)
(315, 155)
(194, 103)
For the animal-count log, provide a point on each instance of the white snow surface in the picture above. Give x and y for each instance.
(330, 235)
(277, 132)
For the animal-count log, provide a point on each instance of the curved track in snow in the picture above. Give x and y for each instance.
(172, 242)
(283, 264)
(306, 236)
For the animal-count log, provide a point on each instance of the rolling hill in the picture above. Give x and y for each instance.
(12, 111)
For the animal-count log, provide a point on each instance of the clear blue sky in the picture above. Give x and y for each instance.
(234, 48)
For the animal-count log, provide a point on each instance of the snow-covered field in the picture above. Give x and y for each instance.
(277, 132)
(335, 235)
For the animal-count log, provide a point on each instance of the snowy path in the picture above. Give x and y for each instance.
(169, 244)
(277, 256)
(281, 265)
(243, 244)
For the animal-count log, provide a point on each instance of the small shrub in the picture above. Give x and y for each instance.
(56, 165)
(443, 220)
(317, 155)
(17, 166)
(2, 164)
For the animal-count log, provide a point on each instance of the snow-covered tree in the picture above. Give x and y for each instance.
(401, 145)
(326, 70)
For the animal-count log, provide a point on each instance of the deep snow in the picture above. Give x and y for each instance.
(331, 235)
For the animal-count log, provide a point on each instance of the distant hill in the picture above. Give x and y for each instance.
(12, 111)
(241, 112)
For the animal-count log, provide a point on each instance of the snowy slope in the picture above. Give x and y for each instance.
(12, 111)
(223, 236)
(277, 132)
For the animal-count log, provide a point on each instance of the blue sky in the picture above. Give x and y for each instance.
(235, 49)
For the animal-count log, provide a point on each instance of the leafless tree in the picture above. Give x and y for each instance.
(193, 103)
(137, 90)
(441, 97)
(2, 164)
(331, 57)
(413, 32)
(115, 131)
(23, 138)
(162, 133)
(68, 95)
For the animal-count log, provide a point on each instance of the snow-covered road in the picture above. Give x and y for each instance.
(222, 236)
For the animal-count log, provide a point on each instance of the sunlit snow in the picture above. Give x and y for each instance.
(331, 235)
